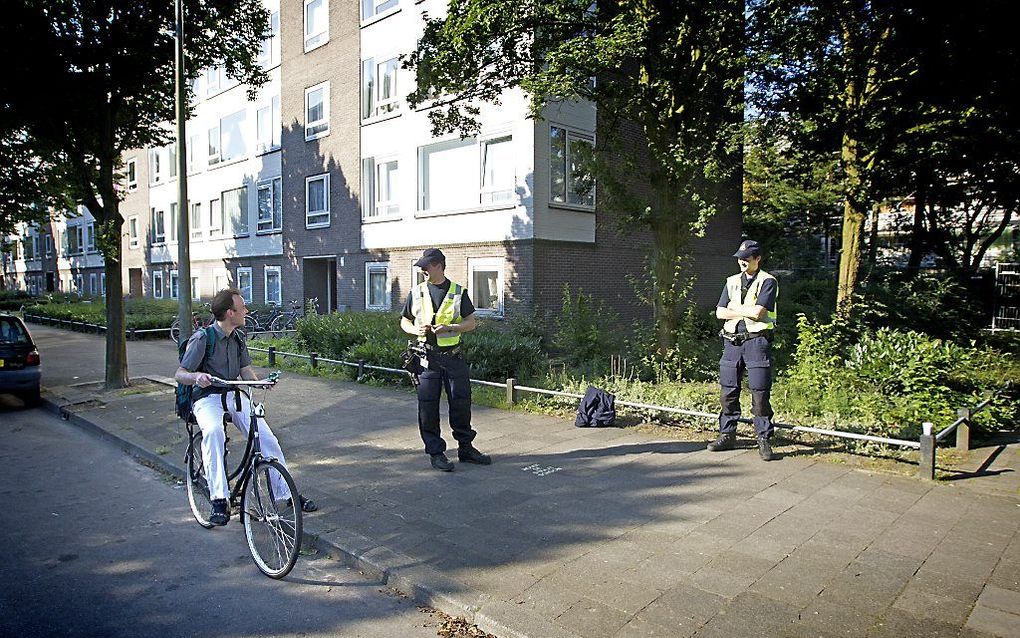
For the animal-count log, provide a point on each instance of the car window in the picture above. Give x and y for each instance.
(11, 331)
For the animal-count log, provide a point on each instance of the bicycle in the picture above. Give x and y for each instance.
(286, 320)
(272, 522)
(196, 324)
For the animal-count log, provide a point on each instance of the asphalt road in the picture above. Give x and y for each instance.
(95, 544)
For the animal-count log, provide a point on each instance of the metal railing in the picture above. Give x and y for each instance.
(930, 440)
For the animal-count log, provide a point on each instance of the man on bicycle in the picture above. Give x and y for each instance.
(228, 360)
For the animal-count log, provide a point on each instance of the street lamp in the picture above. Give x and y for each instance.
(183, 230)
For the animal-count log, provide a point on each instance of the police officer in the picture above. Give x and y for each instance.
(748, 308)
(438, 311)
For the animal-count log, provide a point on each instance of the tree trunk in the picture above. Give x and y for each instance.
(666, 282)
(116, 341)
(854, 214)
(917, 233)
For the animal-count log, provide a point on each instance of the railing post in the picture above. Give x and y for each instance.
(272, 355)
(361, 368)
(131, 334)
(963, 430)
(313, 358)
(926, 466)
(510, 383)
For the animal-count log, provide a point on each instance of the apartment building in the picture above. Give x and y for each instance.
(56, 256)
(329, 185)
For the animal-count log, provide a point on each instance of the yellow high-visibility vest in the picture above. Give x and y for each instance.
(449, 311)
(751, 299)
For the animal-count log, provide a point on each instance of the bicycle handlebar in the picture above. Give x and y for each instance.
(268, 382)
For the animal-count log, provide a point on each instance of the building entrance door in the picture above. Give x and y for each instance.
(135, 282)
(49, 282)
(319, 275)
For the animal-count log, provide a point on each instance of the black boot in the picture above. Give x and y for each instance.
(468, 454)
(441, 463)
(726, 441)
(764, 448)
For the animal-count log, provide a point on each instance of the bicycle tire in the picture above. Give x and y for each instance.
(281, 323)
(250, 326)
(175, 330)
(198, 488)
(272, 525)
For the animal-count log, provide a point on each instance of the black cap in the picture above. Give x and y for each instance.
(748, 248)
(430, 256)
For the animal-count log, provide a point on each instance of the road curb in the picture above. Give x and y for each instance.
(423, 583)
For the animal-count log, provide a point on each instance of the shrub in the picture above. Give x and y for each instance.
(495, 355)
(581, 335)
(333, 335)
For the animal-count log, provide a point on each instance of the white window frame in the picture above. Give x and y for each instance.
(133, 231)
(269, 53)
(424, 204)
(157, 290)
(79, 284)
(484, 191)
(268, 141)
(371, 87)
(392, 103)
(196, 214)
(370, 11)
(131, 173)
(244, 270)
(245, 215)
(275, 203)
(171, 165)
(497, 264)
(241, 129)
(90, 237)
(48, 243)
(92, 285)
(326, 211)
(372, 209)
(265, 282)
(215, 227)
(195, 288)
(155, 166)
(213, 134)
(570, 135)
(175, 284)
(315, 40)
(172, 214)
(102, 284)
(79, 236)
(377, 266)
(324, 121)
(193, 142)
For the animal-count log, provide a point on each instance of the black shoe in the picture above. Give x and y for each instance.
(441, 463)
(468, 454)
(764, 449)
(307, 504)
(725, 442)
(220, 512)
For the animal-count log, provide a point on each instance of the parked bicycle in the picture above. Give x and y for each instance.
(286, 320)
(271, 516)
(197, 323)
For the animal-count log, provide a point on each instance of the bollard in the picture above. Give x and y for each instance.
(926, 466)
(313, 358)
(361, 368)
(510, 383)
(131, 334)
(272, 355)
(963, 430)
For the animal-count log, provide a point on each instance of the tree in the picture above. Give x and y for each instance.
(670, 73)
(828, 73)
(95, 78)
(30, 186)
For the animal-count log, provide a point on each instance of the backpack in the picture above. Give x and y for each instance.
(596, 409)
(184, 392)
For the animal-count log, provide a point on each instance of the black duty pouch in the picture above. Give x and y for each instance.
(412, 358)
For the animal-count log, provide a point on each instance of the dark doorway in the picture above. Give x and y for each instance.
(319, 279)
(49, 282)
(135, 282)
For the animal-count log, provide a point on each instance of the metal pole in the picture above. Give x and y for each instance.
(963, 430)
(926, 466)
(510, 383)
(183, 230)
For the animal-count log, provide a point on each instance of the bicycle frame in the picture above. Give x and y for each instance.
(252, 450)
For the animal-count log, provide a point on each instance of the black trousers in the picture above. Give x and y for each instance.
(754, 356)
(449, 372)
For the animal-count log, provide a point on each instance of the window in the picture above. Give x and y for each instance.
(102, 284)
(92, 285)
(270, 199)
(75, 245)
(317, 111)
(269, 55)
(133, 232)
(213, 145)
(267, 125)
(132, 173)
(316, 23)
(79, 284)
(215, 217)
(244, 283)
(191, 153)
(195, 294)
(174, 292)
(155, 166)
(49, 244)
(232, 143)
(90, 237)
(235, 210)
(28, 249)
(274, 293)
(498, 175)
(317, 201)
(196, 220)
(442, 170)
(157, 284)
(380, 188)
(379, 87)
(486, 284)
(220, 282)
(158, 229)
(172, 163)
(372, 8)
(213, 79)
(571, 163)
(377, 285)
(173, 221)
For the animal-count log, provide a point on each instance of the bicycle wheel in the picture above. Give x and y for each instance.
(198, 489)
(272, 520)
(281, 323)
(250, 326)
(175, 330)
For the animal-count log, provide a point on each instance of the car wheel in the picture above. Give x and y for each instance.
(32, 398)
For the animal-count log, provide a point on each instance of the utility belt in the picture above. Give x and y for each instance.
(738, 338)
(436, 350)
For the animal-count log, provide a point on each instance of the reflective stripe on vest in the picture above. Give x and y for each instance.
(449, 311)
(751, 299)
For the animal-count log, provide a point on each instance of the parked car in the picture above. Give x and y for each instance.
(20, 372)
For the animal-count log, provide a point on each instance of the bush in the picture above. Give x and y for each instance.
(139, 314)
(495, 355)
(581, 335)
(335, 334)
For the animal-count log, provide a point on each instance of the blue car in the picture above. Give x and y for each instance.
(20, 373)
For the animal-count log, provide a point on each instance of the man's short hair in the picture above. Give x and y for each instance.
(224, 301)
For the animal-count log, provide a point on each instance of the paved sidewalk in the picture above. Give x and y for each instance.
(608, 532)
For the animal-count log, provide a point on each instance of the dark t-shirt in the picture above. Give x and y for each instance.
(437, 293)
(766, 296)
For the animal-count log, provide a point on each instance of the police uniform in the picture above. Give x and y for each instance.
(442, 304)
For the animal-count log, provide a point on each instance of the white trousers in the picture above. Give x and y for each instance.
(209, 414)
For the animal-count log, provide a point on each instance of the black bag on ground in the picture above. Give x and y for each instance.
(596, 409)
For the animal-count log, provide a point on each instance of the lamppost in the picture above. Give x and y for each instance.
(183, 230)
